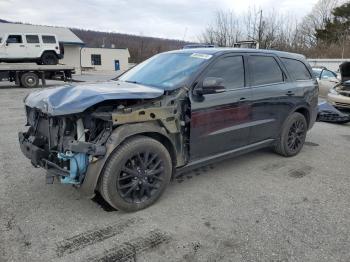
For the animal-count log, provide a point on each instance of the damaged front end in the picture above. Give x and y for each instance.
(64, 145)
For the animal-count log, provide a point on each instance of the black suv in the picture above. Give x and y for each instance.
(174, 112)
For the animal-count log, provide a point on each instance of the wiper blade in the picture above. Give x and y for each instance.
(132, 82)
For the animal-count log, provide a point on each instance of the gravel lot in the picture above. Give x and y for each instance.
(258, 207)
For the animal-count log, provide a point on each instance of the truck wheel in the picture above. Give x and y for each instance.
(29, 80)
(136, 174)
(49, 58)
(293, 135)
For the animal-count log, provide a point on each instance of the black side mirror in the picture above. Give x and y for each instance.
(211, 85)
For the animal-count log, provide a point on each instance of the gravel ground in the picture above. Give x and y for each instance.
(257, 207)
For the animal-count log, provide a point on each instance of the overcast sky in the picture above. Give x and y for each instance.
(160, 18)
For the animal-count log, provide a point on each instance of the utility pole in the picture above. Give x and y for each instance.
(260, 29)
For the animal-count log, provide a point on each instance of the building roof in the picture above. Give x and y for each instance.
(64, 35)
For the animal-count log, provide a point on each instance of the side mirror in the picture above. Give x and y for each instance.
(211, 85)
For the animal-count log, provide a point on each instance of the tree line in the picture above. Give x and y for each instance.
(323, 33)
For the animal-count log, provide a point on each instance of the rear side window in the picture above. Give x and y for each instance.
(297, 69)
(264, 70)
(32, 39)
(48, 39)
(14, 39)
(231, 69)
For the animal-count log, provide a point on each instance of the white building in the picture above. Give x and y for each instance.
(105, 59)
(75, 52)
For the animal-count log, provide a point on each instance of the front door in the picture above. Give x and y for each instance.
(15, 47)
(220, 122)
(326, 82)
(116, 65)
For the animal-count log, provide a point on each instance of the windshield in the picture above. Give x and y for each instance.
(166, 71)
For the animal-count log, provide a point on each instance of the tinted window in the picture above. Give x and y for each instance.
(297, 69)
(231, 69)
(32, 39)
(49, 39)
(264, 70)
(96, 60)
(328, 74)
(14, 39)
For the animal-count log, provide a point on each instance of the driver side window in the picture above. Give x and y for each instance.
(231, 70)
(14, 39)
(327, 74)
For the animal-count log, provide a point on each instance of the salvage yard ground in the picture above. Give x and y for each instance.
(257, 207)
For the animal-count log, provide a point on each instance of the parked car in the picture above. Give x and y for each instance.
(40, 48)
(326, 79)
(339, 95)
(174, 112)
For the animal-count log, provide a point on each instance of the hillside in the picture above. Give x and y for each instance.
(140, 47)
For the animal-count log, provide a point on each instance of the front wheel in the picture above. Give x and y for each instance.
(293, 135)
(136, 174)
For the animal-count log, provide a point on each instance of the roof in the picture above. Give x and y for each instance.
(64, 35)
(223, 50)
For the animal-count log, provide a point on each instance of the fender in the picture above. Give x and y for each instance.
(118, 135)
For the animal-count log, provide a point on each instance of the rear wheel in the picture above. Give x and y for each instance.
(293, 135)
(136, 174)
(49, 58)
(29, 80)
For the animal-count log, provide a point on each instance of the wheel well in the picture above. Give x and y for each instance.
(166, 142)
(49, 51)
(305, 113)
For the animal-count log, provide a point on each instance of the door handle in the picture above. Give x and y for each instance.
(21, 45)
(242, 99)
(290, 93)
(37, 45)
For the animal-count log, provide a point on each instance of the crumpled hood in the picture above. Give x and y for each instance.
(70, 99)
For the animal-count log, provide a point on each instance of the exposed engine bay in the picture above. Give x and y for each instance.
(66, 145)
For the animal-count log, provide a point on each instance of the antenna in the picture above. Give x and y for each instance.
(183, 39)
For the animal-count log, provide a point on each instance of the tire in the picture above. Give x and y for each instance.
(49, 58)
(127, 183)
(29, 80)
(292, 136)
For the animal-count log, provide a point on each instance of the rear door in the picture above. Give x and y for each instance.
(33, 46)
(220, 122)
(271, 96)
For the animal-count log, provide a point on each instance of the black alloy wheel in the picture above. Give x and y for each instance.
(292, 136)
(136, 174)
(296, 135)
(141, 177)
